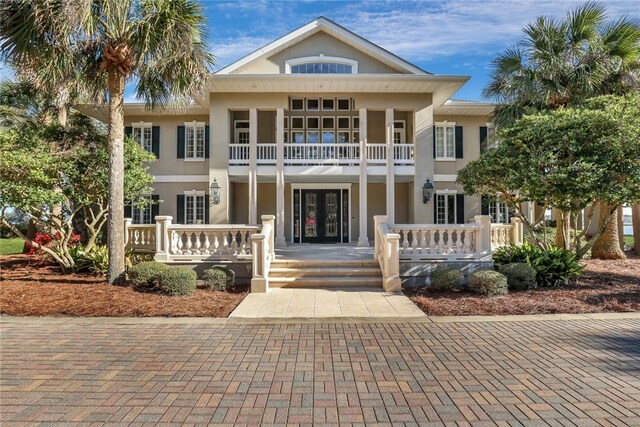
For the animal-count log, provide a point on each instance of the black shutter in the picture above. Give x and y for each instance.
(180, 208)
(155, 141)
(459, 145)
(206, 209)
(460, 208)
(434, 141)
(127, 211)
(484, 205)
(155, 208)
(181, 143)
(206, 142)
(483, 139)
(128, 130)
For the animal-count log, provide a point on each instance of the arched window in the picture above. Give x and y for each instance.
(321, 65)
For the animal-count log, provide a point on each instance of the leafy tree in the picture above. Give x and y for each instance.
(106, 44)
(46, 166)
(567, 159)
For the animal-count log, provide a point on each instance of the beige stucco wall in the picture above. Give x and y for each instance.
(319, 43)
(471, 142)
(168, 193)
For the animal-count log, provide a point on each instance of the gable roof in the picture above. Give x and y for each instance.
(328, 26)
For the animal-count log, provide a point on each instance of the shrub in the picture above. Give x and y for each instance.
(96, 260)
(446, 279)
(488, 282)
(146, 273)
(177, 281)
(219, 278)
(513, 253)
(519, 275)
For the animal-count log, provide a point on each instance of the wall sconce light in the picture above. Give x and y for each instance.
(427, 191)
(215, 192)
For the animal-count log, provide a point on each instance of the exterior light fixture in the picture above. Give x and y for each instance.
(427, 191)
(215, 192)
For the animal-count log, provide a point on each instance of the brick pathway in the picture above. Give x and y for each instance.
(128, 372)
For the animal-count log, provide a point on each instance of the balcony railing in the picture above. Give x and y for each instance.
(321, 154)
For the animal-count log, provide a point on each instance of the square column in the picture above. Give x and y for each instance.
(363, 239)
(391, 181)
(253, 166)
(280, 241)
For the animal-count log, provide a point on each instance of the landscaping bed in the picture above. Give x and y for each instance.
(605, 286)
(30, 287)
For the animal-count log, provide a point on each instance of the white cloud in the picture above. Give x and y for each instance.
(231, 49)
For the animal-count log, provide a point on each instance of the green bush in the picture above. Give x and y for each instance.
(488, 282)
(553, 267)
(146, 273)
(520, 275)
(177, 281)
(97, 259)
(446, 279)
(219, 277)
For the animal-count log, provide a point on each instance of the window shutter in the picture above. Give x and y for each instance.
(155, 208)
(127, 211)
(483, 139)
(484, 205)
(206, 142)
(460, 208)
(206, 209)
(434, 141)
(181, 143)
(155, 141)
(128, 130)
(180, 209)
(459, 145)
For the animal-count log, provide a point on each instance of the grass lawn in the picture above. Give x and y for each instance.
(11, 246)
(628, 239)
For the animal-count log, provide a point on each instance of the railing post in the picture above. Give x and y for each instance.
(259, 282)
(377, 221)
(483, 244)
(270, 220)
(127, 223)
(518, 231)
(163, 244)
(391, 281)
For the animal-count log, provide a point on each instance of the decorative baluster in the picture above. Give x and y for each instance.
(424, 245)
(207, 243)
(459, 241)
(197, 242)
(414, 241)
(440, 241)
(180, 244)
(216, 243)
(234, 242)
(467, 241)
(243, 243)
(189, 243)
(404, 238)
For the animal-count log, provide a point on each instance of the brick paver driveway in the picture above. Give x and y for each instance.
(129, 372)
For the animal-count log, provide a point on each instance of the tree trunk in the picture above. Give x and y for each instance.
(563, 228)
(608, 245)
(32, 229)
(635, 217)
(116, 177)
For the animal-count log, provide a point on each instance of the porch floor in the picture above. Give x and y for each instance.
(324, 252)
(327, 303)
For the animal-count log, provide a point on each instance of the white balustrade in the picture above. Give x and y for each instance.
(507, 234)
(321, 154)
(377, 153)
(403, 154)
(433, 241)
(140, 237)
(228, 241)
(267, 154)
(239, 154)
(263, 250)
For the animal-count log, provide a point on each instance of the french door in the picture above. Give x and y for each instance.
(320, 216)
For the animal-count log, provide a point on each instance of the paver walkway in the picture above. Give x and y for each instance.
(327, 303)
(189, 371)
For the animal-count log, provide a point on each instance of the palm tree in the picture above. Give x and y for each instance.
(562, 62)
(159, 45)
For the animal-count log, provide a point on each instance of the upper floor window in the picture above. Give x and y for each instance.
(446, 141)
(194, 140)
(321, 65)
(141, 133)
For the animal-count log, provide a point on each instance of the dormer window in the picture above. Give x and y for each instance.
(321, 65)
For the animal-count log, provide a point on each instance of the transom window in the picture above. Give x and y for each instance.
(321, 65)
(141, 212)
(446, 208)
(446, 141)
(194, 208)
(241, 131)
(141, 133)
(194, 140)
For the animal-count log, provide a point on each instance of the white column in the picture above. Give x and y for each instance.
(391, 182)
(280, 240)
(363, 239)
(253, 166)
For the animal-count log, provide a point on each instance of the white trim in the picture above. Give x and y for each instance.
(318, 24)
(193, 123)
(194, 192)
(180, 178)
(445, 123)
(446, 159)
(321, 59)
(446, 191)
(142, 124)
(444, 178)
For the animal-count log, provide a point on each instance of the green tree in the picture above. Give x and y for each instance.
(161, 43)
(567, 159)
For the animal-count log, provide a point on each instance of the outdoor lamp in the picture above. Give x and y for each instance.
(427, 191)
(215, 192)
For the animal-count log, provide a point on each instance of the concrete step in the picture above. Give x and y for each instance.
(324, 272)
(285, 263)
(325, 282)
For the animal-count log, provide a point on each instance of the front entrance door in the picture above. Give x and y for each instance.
(321, 216)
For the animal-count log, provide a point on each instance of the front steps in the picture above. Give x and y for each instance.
(325, 274)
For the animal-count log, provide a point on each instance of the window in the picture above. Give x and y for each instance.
(286, 122)
(313, 123)
(297, 104)
(297, 137)
(194, 208)
(241, 131)
(297, 122)
(322, 68)
(328, 122)
(313, 104)
(141, 133)
(141, 212)
(313, 137)
(194, 140)
(328, 137)
(344, 104)
(499, 212)
(446, 208)
(343, 137)
(446, 141)
(356, 137)
(328, 104)
(344, 122)
(356, 122)
(286, 137)
(399, 133)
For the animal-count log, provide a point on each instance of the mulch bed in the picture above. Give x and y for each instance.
(605, 286)
(29, 287)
